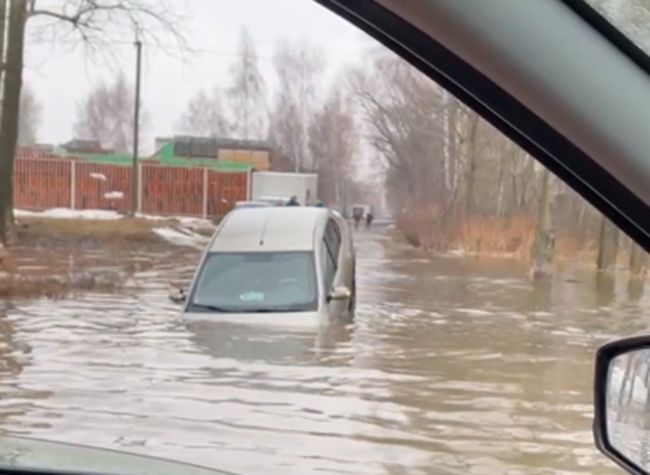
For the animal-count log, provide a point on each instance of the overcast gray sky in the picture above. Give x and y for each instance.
(61, 75)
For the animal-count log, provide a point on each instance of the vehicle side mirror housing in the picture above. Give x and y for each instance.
(339, 292)
(177, 294)
(622, 403)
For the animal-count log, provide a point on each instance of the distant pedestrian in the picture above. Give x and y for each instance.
(357, 220)
(369, 218)
(293, 201)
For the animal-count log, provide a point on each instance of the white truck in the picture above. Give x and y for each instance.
(278, 187)
(360, 210)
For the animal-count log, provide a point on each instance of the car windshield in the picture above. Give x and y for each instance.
(256, 282)
(631, 17)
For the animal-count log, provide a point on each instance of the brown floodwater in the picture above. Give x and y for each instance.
(453, 366)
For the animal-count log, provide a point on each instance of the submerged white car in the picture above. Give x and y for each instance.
(293, 264)
(252, 204)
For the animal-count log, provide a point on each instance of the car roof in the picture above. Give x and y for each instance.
(252, 203)
(283, 228)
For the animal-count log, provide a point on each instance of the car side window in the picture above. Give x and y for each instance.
(333, 239)
(329, 266)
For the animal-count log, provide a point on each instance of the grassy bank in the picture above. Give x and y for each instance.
(54, 256)
(115, 232)
(509, 237)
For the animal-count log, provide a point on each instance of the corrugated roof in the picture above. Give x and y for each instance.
(166, 156)
(187, 145)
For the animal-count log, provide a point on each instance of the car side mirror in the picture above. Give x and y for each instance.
(622, 403)
(177, 294)
(340, 292)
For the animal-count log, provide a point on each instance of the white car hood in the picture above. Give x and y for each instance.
(16, 452)
(291, 319)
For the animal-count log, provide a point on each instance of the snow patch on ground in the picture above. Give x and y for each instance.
(152, 217)
(182, 237)
(183, 234)
(186, 222)
(65, 213)
(113, 195)
(99, 214)
(194, 223)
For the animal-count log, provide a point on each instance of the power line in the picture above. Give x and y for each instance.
(181, 49)
(149, 45)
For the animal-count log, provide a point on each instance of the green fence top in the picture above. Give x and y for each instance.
(107, 158)
(165, 157)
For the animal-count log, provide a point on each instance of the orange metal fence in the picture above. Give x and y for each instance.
(42, 183)
(102, 186)
(172, 190)
(48, 182)
(224, 190)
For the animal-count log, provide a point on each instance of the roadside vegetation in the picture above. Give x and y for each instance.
(456, 183)
(376, 132)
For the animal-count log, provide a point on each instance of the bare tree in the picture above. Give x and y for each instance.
(94, 23)
(13, 63)
(107, 115)
(334, 144)
(472, 165)
(444, 166)
(298, 66)
(607, 245)
(4, 11)
(204, 115)
(29, 117)
(638, 260)
(403, 117)
(286, 132)
(544, 244)
(246, 94)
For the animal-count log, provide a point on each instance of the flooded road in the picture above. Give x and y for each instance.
(453, 366)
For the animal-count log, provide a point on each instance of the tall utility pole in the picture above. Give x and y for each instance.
(136, 129)
(245, 104)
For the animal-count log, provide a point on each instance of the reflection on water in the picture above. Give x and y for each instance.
(453, 366)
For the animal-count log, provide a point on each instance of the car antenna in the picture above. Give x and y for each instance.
(266, 222)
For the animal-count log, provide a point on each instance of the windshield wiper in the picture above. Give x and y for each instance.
(293, 308)
(218, 309)
(214, 308)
